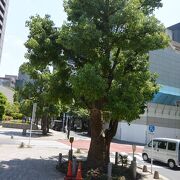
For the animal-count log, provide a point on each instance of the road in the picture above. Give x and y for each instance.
(164, 170)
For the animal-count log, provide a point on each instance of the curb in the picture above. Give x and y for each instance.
(149, 174)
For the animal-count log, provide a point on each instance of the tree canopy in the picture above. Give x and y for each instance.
(104, 66)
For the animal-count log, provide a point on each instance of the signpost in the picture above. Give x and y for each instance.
(151, 130)
(134, 149)
(32, 119)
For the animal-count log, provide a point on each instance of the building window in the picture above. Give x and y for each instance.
(4, 4)
(1, 9)
(1, 18)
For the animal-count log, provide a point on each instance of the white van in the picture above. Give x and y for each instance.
(164, 150)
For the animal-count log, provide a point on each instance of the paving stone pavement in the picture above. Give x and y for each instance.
(28, 163)
(35, 163)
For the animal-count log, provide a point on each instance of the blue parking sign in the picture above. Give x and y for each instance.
(151, 128)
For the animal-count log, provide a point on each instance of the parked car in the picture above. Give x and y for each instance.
(57, 125)
(165, 150)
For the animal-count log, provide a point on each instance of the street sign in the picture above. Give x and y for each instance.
(151, 128)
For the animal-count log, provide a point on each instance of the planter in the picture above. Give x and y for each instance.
(19, 126)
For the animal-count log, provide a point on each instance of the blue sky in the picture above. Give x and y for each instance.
(21, 10)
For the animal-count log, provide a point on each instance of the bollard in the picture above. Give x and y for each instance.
(133, 168)
(144, 168)
(109, 171)
(116, 158)
(60, 159)
(156, 175)
(70, 154)
(74, 166)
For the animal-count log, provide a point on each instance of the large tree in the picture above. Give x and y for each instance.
(37, 89)
(105, 64)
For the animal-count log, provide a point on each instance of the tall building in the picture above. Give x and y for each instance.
(3, 15)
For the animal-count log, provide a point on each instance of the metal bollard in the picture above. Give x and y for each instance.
(116, 158)
(74, 166)
(70, 154)
(133, 168)
(60, 159)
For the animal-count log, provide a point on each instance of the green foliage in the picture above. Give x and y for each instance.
(17, 115)
(37, 89)
(89, 84)
(12, 108)
(105, 63)
(104, 66)
(7, 118)
(3, 102)
(26, 107)
(13, 111)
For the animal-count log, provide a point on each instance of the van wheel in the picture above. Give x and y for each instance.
(171, 164)
(145, 157)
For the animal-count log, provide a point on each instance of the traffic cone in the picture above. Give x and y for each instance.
(69, 173)
(79, 174)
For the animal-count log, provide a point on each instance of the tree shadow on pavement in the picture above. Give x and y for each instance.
(28, 169)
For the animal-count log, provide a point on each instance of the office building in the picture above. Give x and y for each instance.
(3, 15)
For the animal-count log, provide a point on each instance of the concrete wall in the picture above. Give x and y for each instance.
(166, 120)
(166, 63)
(131, 133)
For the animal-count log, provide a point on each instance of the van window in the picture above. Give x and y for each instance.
(162, 144)
(171, 146)
(154, 143)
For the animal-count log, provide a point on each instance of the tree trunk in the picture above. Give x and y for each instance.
(44, 125)
(109, 134)
(98, 155)
(48, 123)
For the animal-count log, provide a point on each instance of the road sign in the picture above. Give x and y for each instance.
(151, 128)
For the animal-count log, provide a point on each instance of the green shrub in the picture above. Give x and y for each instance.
(17, 115)
(7, 118)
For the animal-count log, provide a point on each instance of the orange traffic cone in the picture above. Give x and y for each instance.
(69, 173)
(79, 175)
